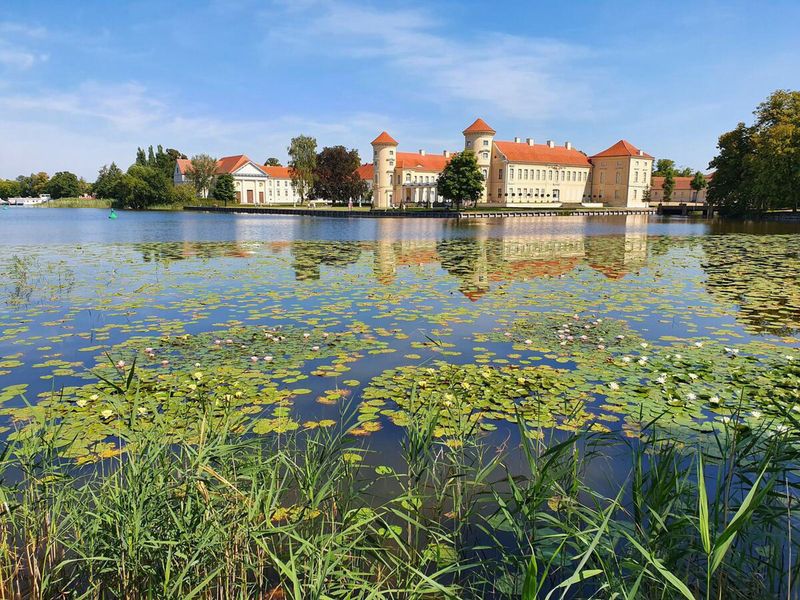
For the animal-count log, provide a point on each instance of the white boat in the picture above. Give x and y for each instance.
(40, 199)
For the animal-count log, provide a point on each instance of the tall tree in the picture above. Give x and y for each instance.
(302, 164)
(664, 165)
(669, 184)
(143, 186)
(272, 162)
(731, 189)
(461, 180)
(224, 189)
(64, 185)
(201, 173)
(698, 183)
(141, 158)
(336, 175)
(105, 186)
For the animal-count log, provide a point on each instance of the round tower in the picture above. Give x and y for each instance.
(384, 156)
(478, 138)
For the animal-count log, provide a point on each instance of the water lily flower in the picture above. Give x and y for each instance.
(422, 383)
(107, 413)
(148, 350)
(93, 397)
(584, 337)
(613, 385)
(699, 344)
(254, 358)
(781, 428)
(267, 359)
(662, 379)
(325, 334)
(620, 337)
(192, 386)
(757, 414)
(217, 342)
(142, 410)
(82, 402)
(601, 347)
(306, 335)
(643, 344)
(198, 375)
(228, 341)
(315, 348)
(164, 362)
(691, 396)
(692, 376)
(789, 357)
(642, 360)
(507, 334)
(678, 356)
(626, 359)
(529, 342)
(120, 364)
(714, 400)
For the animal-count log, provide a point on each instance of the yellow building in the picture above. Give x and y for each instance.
(517, 173)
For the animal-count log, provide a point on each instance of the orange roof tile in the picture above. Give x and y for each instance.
(681, 183)
(418, 162)
(229, 164)
(621, 148)
(277, 172)
(384, 138)
(184, 164)
(479, 126)
(366, 171)
(542, 153)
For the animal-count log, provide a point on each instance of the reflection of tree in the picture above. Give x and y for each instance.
(169, 251)
(466, 259)
(758, 274)
(616, 256)
(308, 256)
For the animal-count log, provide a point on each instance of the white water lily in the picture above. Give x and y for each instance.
(315, 348)
(306, 335)
(643, 344)
(691, 396)
(254, 358)
(662, 379)
(678, 356)
(626, 359)
(613, 385)
(620, 337)
(642, 360)
(788, 357)
(529, 342)
(120, 364)
(699, 344)
(267, 358)
(713, 400)
(82, 402)
(692, 376)
(757, 414)
(107, 413)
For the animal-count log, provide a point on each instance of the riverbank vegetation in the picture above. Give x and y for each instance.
(317, 513)
(758, 166)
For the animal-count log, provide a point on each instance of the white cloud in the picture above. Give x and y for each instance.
(15, 39)
(513, 75)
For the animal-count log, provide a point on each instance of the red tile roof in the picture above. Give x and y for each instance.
(542, 153)
(366, 171)
(681, 183)
(417, 162)
(384, 138)
(184, 164)
(277, 172)
(479, 126)
(621, 148)
(228, 164)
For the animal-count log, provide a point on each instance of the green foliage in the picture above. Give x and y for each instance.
(201, 173)
(143, 186)
(336, 175)
(669, 185)
(758, 167)
(461, 180)
(183, 195)
(9, 188)
(302, 165)
(33, 185)
(224, 190)
(272, 162)
(698, 183)
(107, 182)
(64, 185)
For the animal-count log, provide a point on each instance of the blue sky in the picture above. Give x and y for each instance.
(84, 83)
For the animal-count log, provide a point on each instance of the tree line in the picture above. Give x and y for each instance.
(757, 168)
(330, 174)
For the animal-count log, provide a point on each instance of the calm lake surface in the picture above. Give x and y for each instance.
(303, 322)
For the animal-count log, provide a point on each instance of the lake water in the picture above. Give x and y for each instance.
(299, 323)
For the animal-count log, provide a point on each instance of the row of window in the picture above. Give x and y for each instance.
(544, 174)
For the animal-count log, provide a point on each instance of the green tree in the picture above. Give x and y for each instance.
(9, 188)
(107, 179)
(201, 173)
(182, 195)
(336, 175)
(142, 187)
(272, 162)
(698, 183)
(224, 188)
(302, 165)
(663, 166)
(669, 185)
(64, 185)
(141, 158)
(461, 180)
(684, 172)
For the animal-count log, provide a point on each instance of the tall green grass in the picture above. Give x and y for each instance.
(226, 514)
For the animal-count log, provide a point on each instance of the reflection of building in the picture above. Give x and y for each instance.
(516, 173)
(682, 192)
(254, 183)
(478, 261)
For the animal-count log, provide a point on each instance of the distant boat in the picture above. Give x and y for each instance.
(40, 199)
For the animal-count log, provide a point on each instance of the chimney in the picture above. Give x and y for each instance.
(529, 141)
(422, 152)
(446, 154)
(568, 145)
(516, 140)
(551, 144)
(641, 152)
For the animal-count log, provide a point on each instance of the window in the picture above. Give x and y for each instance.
(499, 192)
(511, 173)
(500, 174)
(636, 176)
(485, 174)
(485, 142)
(469, 143)
(408, 177)
(550, 175)
(634, 194)
(538, 174)
(562, 175)
(602, 177)
(391, 152)
(619, 177)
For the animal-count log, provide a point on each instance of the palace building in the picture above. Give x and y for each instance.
(254, 183)
(516, 173)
